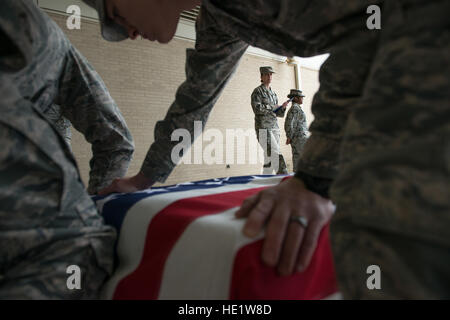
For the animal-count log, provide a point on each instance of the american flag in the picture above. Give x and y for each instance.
(183, 242)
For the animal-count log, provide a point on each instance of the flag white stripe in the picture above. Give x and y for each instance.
(334, 296)
(200, 265)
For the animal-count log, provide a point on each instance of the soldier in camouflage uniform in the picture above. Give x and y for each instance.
(265, 106)
(48, 221)
(81, 99)
(295, 126)
(379, 144)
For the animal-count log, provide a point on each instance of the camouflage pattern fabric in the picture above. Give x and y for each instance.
(208, 69)
(394, 175)
(264, 101)
(382, 113)
(64, 77)
(296, 129)
(223, 33)
(48, 221)
(61, 124)
(410, 267)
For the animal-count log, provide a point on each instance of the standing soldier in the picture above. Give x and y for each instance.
(295, 126)
(266, 109)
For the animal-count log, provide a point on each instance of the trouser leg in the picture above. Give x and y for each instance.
(280, 166)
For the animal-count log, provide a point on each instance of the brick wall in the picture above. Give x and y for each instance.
(143, 77)
(310, 85)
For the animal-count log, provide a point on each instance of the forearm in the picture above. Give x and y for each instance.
(86, 102)
(280, 112)
(106, 167)
(259, 108)
(299, 129)
(289, 132)
(342, 79)
(208, 69)
(321, 186)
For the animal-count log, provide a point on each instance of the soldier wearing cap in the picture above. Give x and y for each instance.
(265, 106)
(295, 126)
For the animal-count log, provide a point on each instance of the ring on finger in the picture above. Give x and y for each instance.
(299, 219)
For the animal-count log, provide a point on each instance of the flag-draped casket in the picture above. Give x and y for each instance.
(183, 242)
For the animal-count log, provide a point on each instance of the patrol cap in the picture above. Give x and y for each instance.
(265, 70)
(111, 31)
(295, 93)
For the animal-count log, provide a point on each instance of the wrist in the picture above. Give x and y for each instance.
(318, 185)
(141, 181)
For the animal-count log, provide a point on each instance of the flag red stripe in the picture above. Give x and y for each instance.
(162, 234)
(252, 280)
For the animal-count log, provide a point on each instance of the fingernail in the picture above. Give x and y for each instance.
(301, 268)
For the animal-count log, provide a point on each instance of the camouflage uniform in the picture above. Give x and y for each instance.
(296, 129)
(61, 124)
(83, 101)
(381, 133)
(48, 221)
(264, 101)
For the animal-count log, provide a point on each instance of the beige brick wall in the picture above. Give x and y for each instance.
(310, 85)
(143, 77)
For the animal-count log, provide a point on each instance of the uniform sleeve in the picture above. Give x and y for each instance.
(281, 112)
(208, 69)
(342, 77)
(299, 124)
(302, 121)
(288, 123)
(259, 106)
(87, 104)
(54, 114)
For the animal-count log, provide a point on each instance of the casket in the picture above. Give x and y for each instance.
(183, 242)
